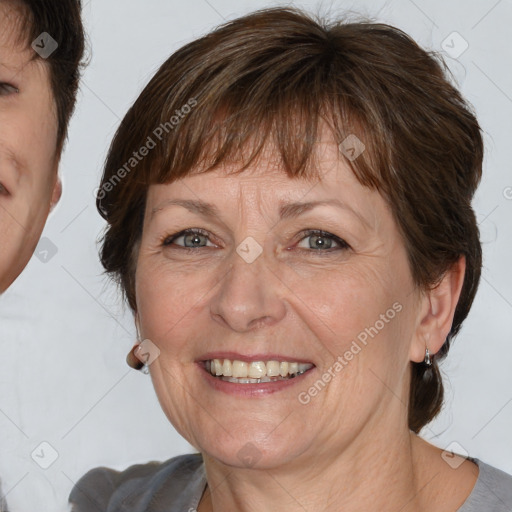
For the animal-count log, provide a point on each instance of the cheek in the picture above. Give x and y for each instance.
(360, 320)
(37, 124)
(39, 150)
(168, 300)
(30, 145)
(342, 301)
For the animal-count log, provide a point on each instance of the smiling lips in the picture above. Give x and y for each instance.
(253, 372)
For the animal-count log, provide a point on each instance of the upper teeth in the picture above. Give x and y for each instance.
(255, 369)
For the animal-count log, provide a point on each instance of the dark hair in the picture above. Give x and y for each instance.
(275, 75)
(62, 20)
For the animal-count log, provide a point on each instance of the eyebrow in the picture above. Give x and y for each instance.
(286, 210)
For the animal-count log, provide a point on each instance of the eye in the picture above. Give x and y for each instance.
(323, 240)
(320, 240)
(191, 238)
(7, 89)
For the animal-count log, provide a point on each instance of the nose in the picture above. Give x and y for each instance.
(249, 296)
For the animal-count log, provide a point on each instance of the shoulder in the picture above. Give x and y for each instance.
(140, 487)
(492, 491)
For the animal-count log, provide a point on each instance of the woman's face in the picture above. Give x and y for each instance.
(254, 285)
(28, 149)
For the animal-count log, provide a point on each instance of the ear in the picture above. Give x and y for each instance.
(436, 311)
(56, 193)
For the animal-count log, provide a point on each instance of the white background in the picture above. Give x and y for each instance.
(64, 332)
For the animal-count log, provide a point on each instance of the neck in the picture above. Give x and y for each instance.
(376, 474)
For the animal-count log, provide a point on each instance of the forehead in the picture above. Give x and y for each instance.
(266, 186)
(326, 165)
(14, 31)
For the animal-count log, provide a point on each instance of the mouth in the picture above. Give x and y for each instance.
(237, 371)
(10, 172)
(3, 190)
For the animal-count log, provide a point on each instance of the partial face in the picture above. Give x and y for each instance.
(328, 287)
(28, 159)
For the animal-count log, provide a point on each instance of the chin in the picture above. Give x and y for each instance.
(247, 452)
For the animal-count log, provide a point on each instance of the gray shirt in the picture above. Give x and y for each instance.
(178, 484)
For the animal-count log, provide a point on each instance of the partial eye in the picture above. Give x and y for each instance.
(323, 240)
(7, 89)
(191, 239)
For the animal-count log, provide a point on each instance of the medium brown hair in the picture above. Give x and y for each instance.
(62, 20)
(273, 77)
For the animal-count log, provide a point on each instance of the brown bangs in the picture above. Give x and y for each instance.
(220, 112)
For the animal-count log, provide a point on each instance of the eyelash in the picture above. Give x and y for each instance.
(168, 240)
